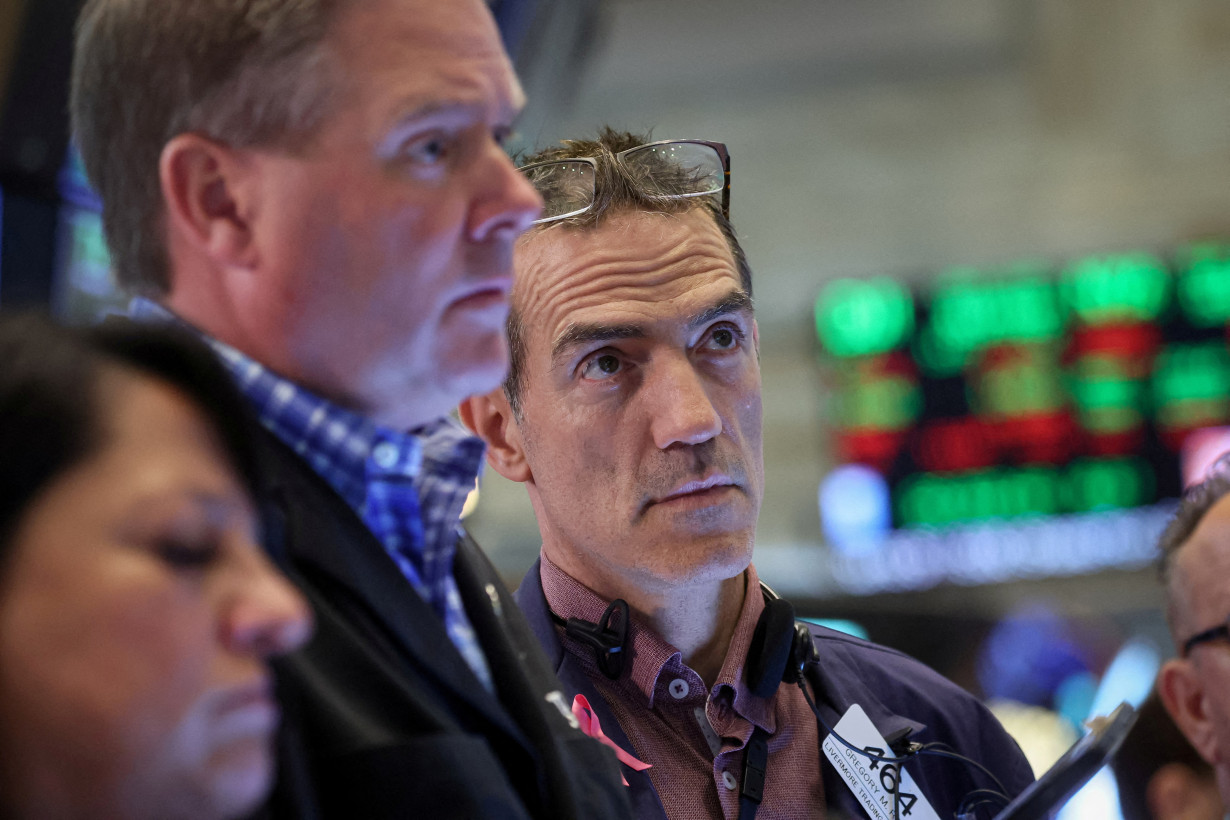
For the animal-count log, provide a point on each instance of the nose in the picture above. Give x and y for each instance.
(507, 204)
(265, 614)
(680, 407)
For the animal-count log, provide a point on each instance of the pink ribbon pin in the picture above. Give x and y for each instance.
(588, 719)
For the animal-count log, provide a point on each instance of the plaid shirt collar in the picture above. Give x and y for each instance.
(347, 449)
(407, 488)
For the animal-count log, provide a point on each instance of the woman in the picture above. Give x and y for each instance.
(137, 613)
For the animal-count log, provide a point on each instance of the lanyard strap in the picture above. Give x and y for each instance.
(755, 764)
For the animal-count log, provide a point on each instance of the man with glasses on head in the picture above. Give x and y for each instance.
(1195, 568)
(632, 414)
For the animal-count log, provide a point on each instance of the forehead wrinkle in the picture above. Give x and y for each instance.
(464, 98)
(554, 267)
(563, 273)
(467, 58)
(1201, 597)
(579, 333)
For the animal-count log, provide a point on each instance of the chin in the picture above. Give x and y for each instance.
(476, 366)
(241, 782)
(705, 561)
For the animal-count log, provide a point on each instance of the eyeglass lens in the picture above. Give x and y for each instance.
(672, 170)
(676, 169)
(567, 187)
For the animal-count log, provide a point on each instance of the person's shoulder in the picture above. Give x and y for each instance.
(874, 659)
(903, 684)
(857, 669)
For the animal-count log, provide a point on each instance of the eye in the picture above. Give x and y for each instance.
(502, 135)
(602, 366)
(725, 337)
(188, 554)
(426, 150)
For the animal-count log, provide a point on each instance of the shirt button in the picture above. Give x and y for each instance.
(679, 689)
(728, 780)
(385, 455)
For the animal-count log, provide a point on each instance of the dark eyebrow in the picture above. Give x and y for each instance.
(737, 301)
(577, 335)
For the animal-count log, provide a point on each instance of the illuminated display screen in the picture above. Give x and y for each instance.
(85, 289)
(1032, 390)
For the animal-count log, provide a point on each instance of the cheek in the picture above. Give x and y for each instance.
(119, 667)
(418, 233)
(576, 458)
(751, 417)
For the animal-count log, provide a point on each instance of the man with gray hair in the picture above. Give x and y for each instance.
(632, 415)
(319, 188)
(1195, 569)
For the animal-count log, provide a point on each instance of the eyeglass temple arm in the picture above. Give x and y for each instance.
(1220, 631)
(726, 190)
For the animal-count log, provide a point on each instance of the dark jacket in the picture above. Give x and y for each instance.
(896, 691)
(383, 718)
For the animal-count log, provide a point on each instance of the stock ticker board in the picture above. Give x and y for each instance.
(1031, 390)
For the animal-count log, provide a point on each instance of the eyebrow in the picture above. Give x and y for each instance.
(411, 111)
(414, 111)
(738, 301)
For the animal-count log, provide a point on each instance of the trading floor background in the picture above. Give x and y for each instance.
(991, 244)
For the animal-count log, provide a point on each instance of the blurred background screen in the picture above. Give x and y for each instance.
(1010, 394)
(35, 60)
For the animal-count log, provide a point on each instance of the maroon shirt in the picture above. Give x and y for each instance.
(694, 737)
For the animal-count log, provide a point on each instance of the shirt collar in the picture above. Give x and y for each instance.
(649, 654)
(731, 682)
(346, 449)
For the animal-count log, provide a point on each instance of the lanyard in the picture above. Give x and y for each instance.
(755, 764)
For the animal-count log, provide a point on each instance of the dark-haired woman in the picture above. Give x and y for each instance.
(137, 612)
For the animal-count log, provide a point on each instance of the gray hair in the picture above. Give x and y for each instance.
(243, 72)
(1197, 501)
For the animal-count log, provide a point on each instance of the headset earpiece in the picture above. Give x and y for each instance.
(771, 648)
(608, 638)
(802, 652)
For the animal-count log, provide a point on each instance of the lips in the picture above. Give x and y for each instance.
(716, 481)
(488, 295)
(248, 710)
(497, 288)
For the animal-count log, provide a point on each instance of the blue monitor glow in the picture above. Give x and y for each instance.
(85, 288)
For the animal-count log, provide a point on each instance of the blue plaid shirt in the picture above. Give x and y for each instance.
(408, 488)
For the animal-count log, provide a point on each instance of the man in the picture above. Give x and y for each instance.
(319, 188)
(1158, 773)
(632, 414)
(1195, 566)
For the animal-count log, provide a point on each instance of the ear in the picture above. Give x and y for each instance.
(1182, 692)
(208, 198)
(491, 418)
(756, 337)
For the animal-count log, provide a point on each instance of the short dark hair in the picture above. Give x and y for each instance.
(1196, 502)
(615, 191)
(51, 411)
(1153, 742)
(244, 72)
